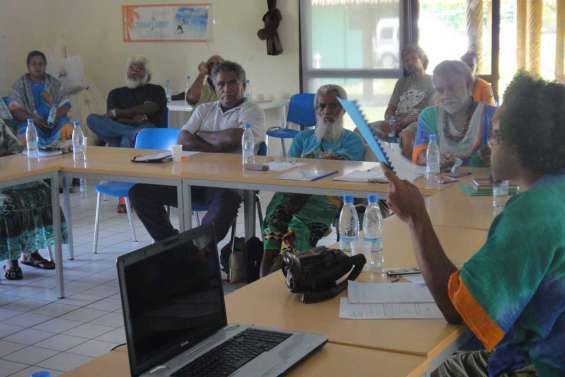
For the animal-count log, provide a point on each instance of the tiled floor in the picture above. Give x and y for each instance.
(40, 332)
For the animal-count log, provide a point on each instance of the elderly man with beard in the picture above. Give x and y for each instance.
(462, 125)
(296, 222)
(130, 108)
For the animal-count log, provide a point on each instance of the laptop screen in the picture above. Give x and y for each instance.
(172, 295)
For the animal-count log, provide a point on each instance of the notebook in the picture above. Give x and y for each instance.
(357, 116)
(175, 316)
(306, 174)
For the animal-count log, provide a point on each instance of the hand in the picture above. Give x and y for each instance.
(484, 154)
(203, 68)
(405, 199)
(112, 113)
(140, 118)
(66, 132)
(40, 122)
(447, 160)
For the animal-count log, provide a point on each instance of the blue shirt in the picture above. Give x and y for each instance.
(348, 147)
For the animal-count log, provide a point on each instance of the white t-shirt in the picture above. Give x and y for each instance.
(210, 117)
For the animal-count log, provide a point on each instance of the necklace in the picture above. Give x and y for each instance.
(451, 131)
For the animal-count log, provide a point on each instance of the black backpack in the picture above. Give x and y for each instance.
(241, 260)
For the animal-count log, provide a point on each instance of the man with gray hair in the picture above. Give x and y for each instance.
(213, 127)
(130, 108)
(296, 222)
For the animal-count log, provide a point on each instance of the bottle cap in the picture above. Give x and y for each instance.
(247, 125)
(76, 123)
(373, 198)
(348, 199)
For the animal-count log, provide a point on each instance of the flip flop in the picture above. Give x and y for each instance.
(13, 273)
(38, 262)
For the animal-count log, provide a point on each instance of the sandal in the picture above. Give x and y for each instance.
(13, 273)
(37, 261)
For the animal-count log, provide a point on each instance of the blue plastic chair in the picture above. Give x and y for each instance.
(301, 111)
(148, 138)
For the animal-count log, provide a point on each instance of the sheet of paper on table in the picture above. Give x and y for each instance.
(375, 174)
(387, 293)
(283, 165)
(422, 310)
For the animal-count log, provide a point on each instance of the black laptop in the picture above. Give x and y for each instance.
(175, 316)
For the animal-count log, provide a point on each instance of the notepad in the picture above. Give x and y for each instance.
(387, 293)
(154, 157)
(426, 310)
(306, 174)
(283, 165)
(374, 175)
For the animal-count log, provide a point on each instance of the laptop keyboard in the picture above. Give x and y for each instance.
(233, 354)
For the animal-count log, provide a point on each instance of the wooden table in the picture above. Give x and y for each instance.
(331, 360)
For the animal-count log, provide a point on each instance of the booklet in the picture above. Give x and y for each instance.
(306, 174)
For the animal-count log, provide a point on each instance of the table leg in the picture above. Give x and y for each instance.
(56, 213)
(187, 205)
(68, 216)
(249, 213)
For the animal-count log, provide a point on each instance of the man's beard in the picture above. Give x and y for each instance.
(329, 131)
(133, 83)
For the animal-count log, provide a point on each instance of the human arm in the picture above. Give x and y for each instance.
(195, 91)
(408, 204)
(193, 142)
(147, 108)
(228, 140)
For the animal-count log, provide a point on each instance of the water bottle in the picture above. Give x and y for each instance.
(32, 140)
(52, 115)
(247, 93)
(392, 133)
(168, 90)
(78, 142)
(248, 146)
(432, 163)
(348, 224)
(373, 232)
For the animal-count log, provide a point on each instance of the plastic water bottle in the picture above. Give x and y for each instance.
(52, 115)
(348, 224)
(248, 146)
(168, 93)
(32, 140)
(78, 142)
(432, 163)
(247, 93)
(373, 232)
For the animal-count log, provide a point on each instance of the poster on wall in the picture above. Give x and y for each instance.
(165, 22)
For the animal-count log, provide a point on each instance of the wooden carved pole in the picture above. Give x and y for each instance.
(560, 42)
(475, 29)
(521, 28)
(535, 11)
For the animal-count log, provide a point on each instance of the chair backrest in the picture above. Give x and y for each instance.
(157, 138)
(301, 110)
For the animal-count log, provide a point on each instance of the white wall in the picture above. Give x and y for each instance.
(93, 29)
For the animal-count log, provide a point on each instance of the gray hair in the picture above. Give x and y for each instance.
(140, 60)
(457, 68)
(325, 89)
(227, 66)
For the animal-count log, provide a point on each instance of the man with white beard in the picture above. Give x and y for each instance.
(296, 222)
(130, 108)
(462, 126)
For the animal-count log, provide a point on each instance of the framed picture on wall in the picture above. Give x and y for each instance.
(165, 22)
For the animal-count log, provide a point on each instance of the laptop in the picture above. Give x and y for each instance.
(175, 316)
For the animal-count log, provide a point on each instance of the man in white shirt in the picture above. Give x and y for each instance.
(213, 127)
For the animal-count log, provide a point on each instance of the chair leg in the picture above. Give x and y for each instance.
(96, 223)
(50, 253)
(131, 227)
(197, 218)
(283, 147)
(259, 213)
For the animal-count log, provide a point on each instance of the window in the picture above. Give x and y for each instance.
(354, 44)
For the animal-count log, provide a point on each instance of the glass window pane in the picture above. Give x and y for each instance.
(442, 27)
(372, 94)
(352, 34)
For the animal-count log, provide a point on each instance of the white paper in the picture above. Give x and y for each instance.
(415, 279)
(283, 165)
(42, 153)
(424, 310)
(386, 293)
(188, 153)
(153, 156)
(375, 174)
(403, 167)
